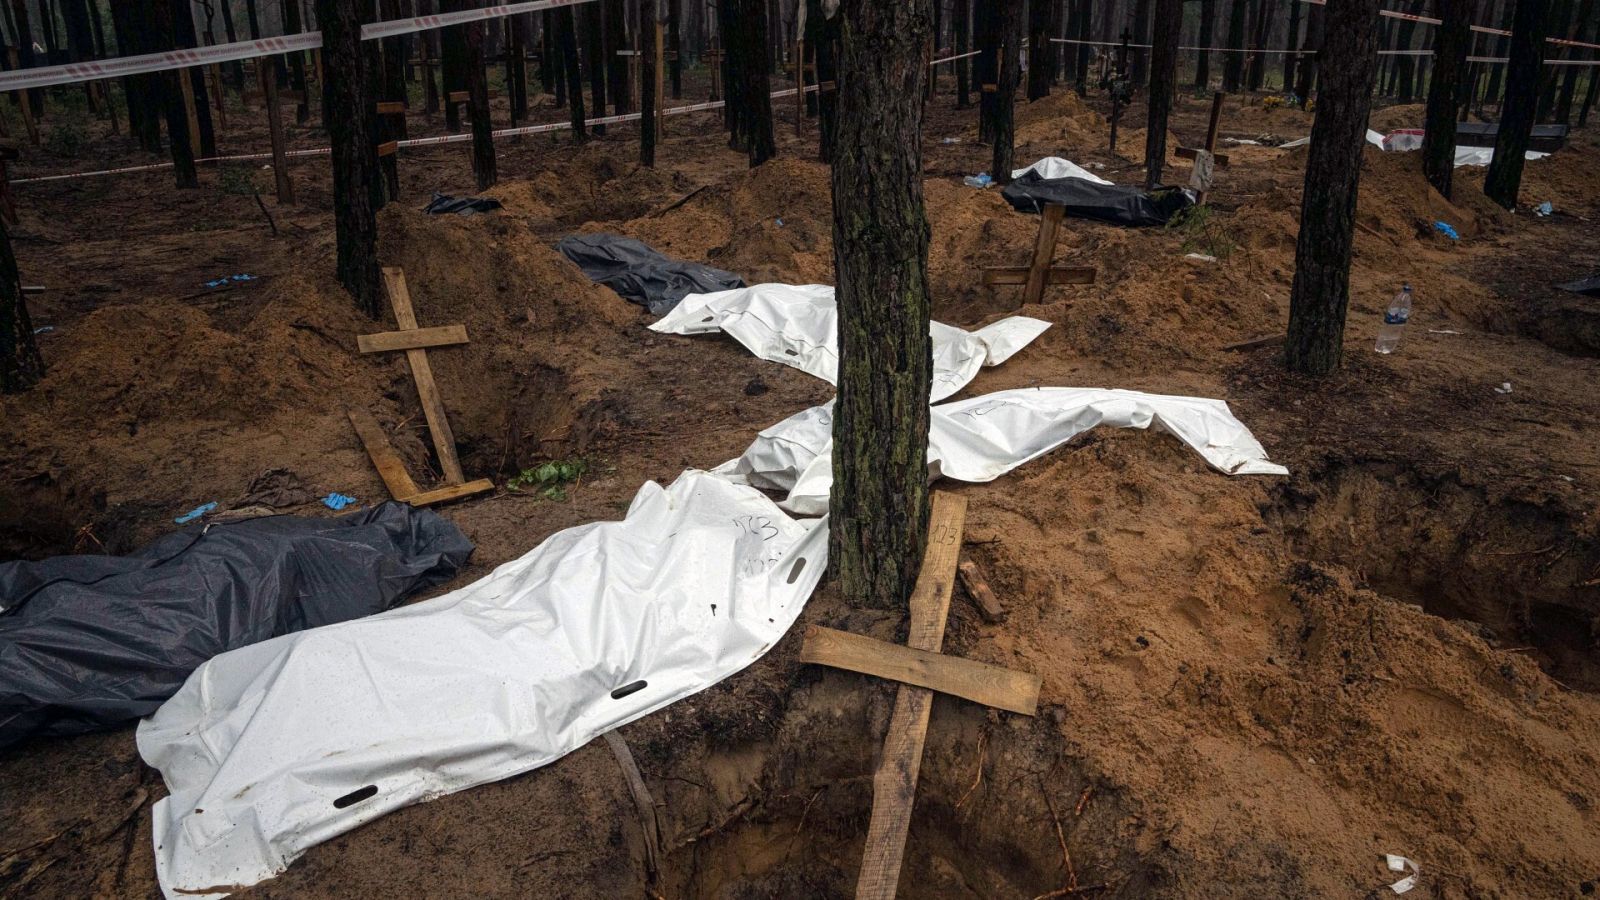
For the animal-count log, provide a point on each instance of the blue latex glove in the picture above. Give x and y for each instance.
(195, 513)
(337, 501)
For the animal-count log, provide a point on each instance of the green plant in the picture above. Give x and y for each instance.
(239, 180)
(550, 479)
(1201, 234)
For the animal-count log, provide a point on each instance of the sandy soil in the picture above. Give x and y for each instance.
(1251, 686)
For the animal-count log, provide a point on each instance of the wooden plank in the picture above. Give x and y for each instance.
(388, 148)
(978, 589)
(383, 456)
(894, 784)
(1253, 343)
(1044, 249)
(1056, 275)
(444, 440)
(643, 803)
(968, 679)
(389, 341)
(391, 108)
(1189, 153)
(186, 88)
(25, 101)
(450, 492)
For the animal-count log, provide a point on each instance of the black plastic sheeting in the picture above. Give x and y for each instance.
(1114, 203)
(89, 642)
(1589, 287)
(443, 204)
(640, 274)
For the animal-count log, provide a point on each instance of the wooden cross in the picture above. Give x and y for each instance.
(921, 669)
(1220, 159)
(414, 341)
(1039, 273)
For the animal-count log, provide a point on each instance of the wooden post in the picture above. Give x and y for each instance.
(186, 88)
(267, 71)
(1211, 132)
(799, 88)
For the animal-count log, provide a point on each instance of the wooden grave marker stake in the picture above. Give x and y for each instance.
(26, 103)
(1039, 273)
(1205, 158)
(414, 341)
(921, 669)
(186, 88)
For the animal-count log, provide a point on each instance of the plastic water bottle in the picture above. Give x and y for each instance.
(1394, 321)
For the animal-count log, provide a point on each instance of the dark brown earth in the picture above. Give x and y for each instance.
(1251, 686)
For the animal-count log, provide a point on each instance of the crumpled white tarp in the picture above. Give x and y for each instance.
(797, 325)
(1409, 139)
(982, 438)
(1056, 167)
(270, 749)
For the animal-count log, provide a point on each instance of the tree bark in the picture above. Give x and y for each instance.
(1041, 53)
(1522, 86)
(1320, 295)
(1311, 47)
(594, 52)
(1557, 23)
(453, 65)
(1406, 66)
(1446, 93)
(21, 365)
(25, 56)
(986, 16)
(1258, 60)
(483, 161)
(1163, 81)
(184, 35)
(157, 15)
(1586, 26)
(567, 43)
(1005, 96)
(1233, 63)
(253, 18)
(748, 44)
(879, 504)
(647, 82)
(1137, 72)
(1202, 65)
(616, 38)
(296, 61)
(348, 109)
(236, 68)
(144, 94)
(1290, 59)
(391, 86)
(1085, 17)
(675, 47)
(828, 70)
(961, 19)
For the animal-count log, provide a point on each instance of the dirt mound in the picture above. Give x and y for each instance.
(592, 182)
(1389, 118)
(1061, 119)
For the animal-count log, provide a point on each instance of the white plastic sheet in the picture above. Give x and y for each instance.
(982, 438)
(1482, 156)
(273, 748)
(1409, 139)
(797, 325)
(1056, 167)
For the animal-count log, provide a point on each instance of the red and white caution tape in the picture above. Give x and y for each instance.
(953, 58)
(73, 73)
(1481, 29)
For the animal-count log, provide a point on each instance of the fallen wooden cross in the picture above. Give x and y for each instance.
(414, 341)
(1039, 273)
(921, 669)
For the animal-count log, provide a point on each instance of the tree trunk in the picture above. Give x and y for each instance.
(1522, 86)
(879, 504)
(1558, 23)
(157, 15)
(296, 61)
(1586, 26)
(521, 34)
(483, 161)
(747, 41)
(986, 71)
(675, 47)
(1406, 66)
(646, 29)
(616, 39)
(1202, 65)
(453, 65)
(1310, 48)
(550, 76)
(21, 366)
(1138, 71)
(1320, 296)
(567, 43)
(1258, 60)
(184, 35)
(25, 56)
(144, 94)
(1446, 92)
(1290, 59)
(828, 70)
(1163, 81)
(1006, 91)
(1233, 63)
(253, 18)
(348, 109)
(391, 86)
(1041, 53)
(594, 52)
(235, 68)
(1085, 16)
(961, 19)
